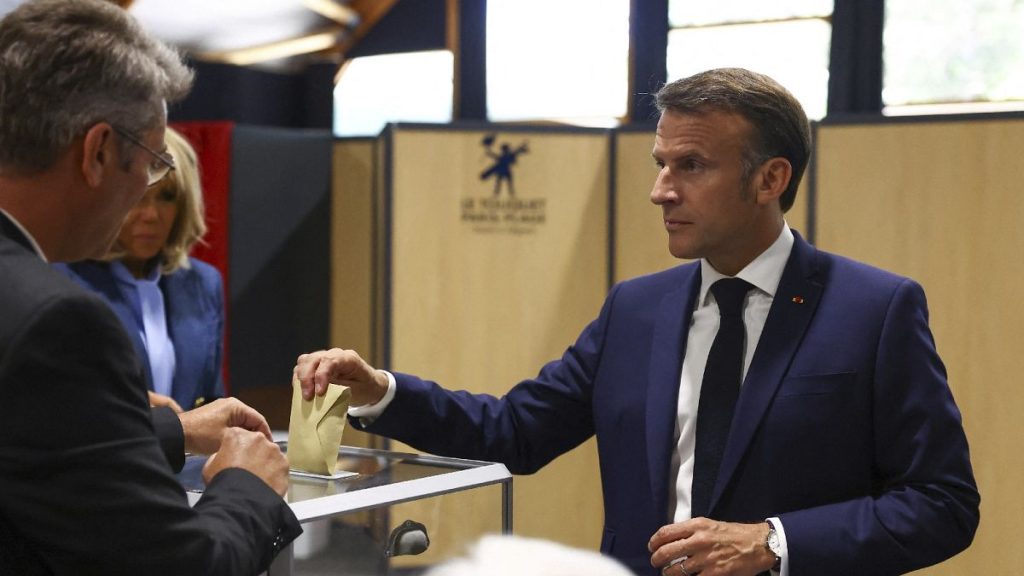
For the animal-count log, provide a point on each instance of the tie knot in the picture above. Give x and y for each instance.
(729, 293)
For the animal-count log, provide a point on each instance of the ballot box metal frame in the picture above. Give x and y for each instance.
(356, 494)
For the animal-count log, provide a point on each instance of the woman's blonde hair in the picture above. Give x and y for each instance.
(190, 224)
(190, 221)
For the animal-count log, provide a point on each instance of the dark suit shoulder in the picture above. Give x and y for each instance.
(36, 285)
(842, 272)
(64, 356)
(85, 272)
(670, 279)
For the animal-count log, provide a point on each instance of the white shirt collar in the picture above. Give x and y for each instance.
(31, 239)
(764, 272)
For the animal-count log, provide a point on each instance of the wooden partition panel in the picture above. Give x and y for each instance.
(942, 203)
(641, 242)
(353, 281)
(486, 286)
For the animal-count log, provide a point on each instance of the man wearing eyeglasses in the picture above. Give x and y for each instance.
(160, 165)
(86, 469)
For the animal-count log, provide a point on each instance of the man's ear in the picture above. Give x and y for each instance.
(98, 154)
(771, 179)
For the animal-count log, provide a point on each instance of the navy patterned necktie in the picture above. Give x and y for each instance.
(718, 392)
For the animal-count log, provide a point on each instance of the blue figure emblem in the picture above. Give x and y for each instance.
(504, 158)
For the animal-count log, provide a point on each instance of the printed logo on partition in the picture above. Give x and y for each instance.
(498, 209)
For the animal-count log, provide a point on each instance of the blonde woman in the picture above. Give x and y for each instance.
(171, 305)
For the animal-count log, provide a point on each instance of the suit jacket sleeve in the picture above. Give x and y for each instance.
(535, 422)
(167, 427)
(923, 507)
(83, 475)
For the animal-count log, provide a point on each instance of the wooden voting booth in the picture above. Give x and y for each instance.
(472, 257)
(942, 202)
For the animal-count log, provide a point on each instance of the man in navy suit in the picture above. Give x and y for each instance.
(845, 452)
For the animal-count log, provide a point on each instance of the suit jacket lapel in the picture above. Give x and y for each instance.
(795, 301)
(187, 337)
(669, 341)
(9, 229)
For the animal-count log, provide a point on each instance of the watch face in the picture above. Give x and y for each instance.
(773, 542)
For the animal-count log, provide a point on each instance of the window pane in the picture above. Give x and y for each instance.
(953, 51)
(793, 53)
(375, 90)
(559, 59)
(689, 13)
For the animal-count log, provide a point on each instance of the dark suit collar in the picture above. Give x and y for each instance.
(794, 305)
(12, 229)
(671, 329)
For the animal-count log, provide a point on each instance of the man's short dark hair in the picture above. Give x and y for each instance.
(780, 124)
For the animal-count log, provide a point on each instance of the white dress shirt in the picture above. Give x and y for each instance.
(764, 273)
(147, 303)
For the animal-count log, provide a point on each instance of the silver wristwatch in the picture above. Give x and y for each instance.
(772, 545)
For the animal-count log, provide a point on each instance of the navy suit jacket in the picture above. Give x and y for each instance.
(194, 303)
(845, 427)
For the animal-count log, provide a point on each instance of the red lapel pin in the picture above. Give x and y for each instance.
(798, 299)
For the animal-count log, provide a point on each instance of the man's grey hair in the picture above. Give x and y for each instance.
(66, 65)
(518, 556)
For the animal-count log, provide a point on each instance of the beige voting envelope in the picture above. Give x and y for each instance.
(314, 432)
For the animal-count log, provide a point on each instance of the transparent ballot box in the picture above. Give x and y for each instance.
(396, 513)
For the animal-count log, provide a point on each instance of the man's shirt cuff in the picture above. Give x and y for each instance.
(367, 413)
(784, 547)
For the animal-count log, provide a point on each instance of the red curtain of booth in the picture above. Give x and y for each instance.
(212, 142)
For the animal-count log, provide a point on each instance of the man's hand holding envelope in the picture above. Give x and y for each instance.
(315, 429)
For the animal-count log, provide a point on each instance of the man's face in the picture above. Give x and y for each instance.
(127, 183)
(709, 211)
